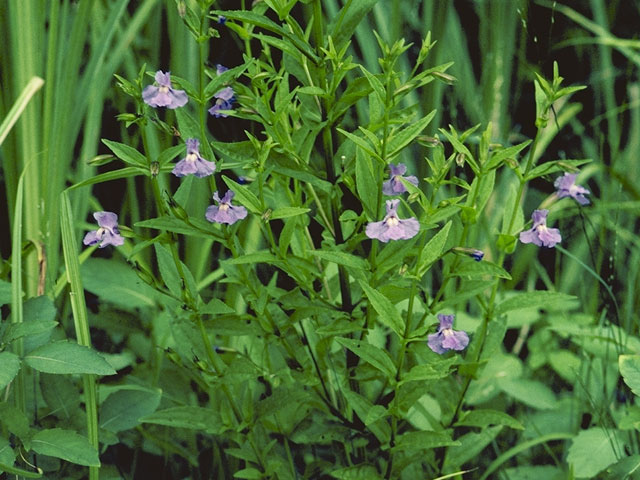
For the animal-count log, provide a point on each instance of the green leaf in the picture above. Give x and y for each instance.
(498, 156)
(26, 328)
(407, 135)
(170, 153)
(365, 410)
(172, 224)
(168, 270)
(116, 282)
(341, 258)
(126, 153)
(541, 299)
(624, 468)
(345, 22)
(375, 84)
(217, 307)
(263, 256)
(356, 472)
(387, 312)
(511, 203)
(483, 418)
(67, 445)
(592, 451)
(471, 444)
(249, 473)
(61, 395)
(555, 166)
(112, 175)
(122, 409)
(14, 420)
(245, 196)
(366, 183)
(65, 357)
(629, 366)
(361, 142)
(433, 249)
(9, 368)
(370, 354)
(530, 392)
(423, 441)
(286, 212)
(474, 269)
(261, 21)
(192, 417)
(5, 292)
(429, 371)
(7, 455)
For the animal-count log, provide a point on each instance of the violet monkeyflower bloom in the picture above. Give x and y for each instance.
(540, 234)
(566, 187)
(164, 95)
(193, 163)
(446, 338)
(107, 234)
(225, 212)
(224, 101)
(392, 227)
(394, 185)
(220, 69)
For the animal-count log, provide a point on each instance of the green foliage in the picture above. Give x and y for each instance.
(65, 444)
(293, 343)
(581, 453)
(67, 357)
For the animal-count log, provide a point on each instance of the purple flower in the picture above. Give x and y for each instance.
(220, 69)
(446, 338)
(107, 234)
(566, 187)
(225, 212)
(193, 163)
(394, 185)
(163, 95)
(222, 19)
(391, 227)
(224, 101)
(540, 234)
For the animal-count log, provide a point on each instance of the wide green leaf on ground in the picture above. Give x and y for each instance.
(65, 357)
(67, 445)
(191, 417)
(123, 409)
(117, 282)
(9, 367)
(629, 366)
(592, 451)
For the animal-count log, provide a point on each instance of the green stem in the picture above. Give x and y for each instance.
(81, 321)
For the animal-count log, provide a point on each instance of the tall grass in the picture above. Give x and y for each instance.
(51, 131)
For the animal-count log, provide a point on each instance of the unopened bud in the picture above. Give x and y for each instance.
(176, 208)
(446, 78)
(100, 160)
(474, 253)
(144, 275)
(154, 168)
(182, 8)
(267, 214)
(429, 140)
